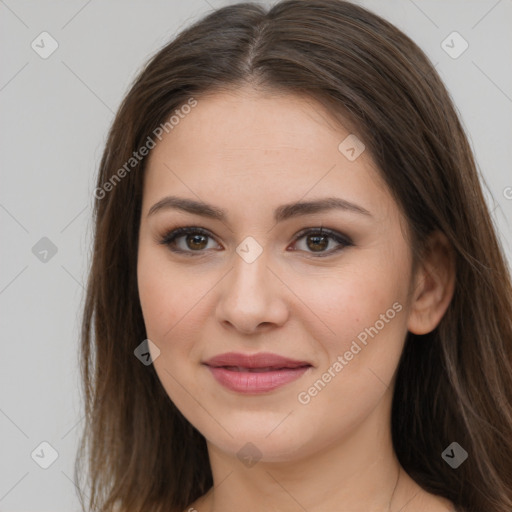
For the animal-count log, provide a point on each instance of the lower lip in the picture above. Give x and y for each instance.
(256, 382)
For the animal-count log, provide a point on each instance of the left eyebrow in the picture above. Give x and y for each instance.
(281, 213)
(287, 211)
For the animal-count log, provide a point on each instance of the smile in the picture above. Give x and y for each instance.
(257, 373)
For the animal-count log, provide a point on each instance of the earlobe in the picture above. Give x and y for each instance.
(434, 285)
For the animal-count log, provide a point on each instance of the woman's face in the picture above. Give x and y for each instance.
(263, 280)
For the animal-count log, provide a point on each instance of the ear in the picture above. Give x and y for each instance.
(434, 284)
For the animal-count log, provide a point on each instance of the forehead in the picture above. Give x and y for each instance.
(258, 147)
(247, 119)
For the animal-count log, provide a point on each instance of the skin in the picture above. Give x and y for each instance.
(249, 152)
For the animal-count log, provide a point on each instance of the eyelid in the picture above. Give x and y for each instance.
(342, 238)
(172, 234)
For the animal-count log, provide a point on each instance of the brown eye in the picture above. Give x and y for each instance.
(193, 241)
(187, 240)
(196, 241)
(317, 243)
(319, 240)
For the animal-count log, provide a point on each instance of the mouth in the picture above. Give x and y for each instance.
(260, 370)
(256, 373)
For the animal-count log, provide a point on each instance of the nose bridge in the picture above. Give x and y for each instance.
(250, 267)
(250, 296)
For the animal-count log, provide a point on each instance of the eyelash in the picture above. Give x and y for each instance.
(170, 237)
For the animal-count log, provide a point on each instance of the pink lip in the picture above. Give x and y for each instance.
(255, 373)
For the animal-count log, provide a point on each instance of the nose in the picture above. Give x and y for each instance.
(252, 298)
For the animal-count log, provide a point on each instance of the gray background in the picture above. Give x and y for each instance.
(55, 114)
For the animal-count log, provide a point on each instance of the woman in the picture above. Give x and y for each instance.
(297, 299)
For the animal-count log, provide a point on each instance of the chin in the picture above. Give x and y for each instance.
(266, 440)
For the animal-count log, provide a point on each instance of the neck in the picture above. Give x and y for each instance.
(358, 472)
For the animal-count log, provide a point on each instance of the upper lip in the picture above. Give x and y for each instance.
(260, 360)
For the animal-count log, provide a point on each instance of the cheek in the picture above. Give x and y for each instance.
(343, 304)
(367, 314)
(167, 300)
(175, 306)
(359, 320)
(163, 294)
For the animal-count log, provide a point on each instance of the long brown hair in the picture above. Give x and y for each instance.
(453, 384)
